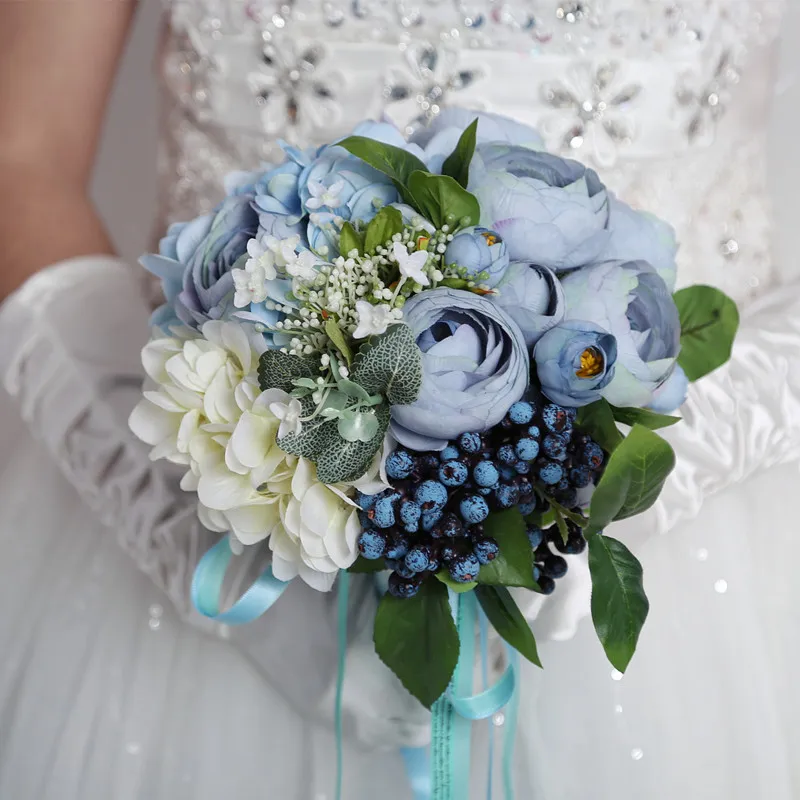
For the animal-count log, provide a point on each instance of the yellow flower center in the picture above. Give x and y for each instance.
(490, 238)
(592, 363)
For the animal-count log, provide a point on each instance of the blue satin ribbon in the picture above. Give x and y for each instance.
(207, 581)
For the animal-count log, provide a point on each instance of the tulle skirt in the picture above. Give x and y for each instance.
(106, 695)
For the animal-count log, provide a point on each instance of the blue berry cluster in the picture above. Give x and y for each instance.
(549, 566)
(432, 516)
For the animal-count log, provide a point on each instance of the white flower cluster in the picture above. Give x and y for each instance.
(209, 414)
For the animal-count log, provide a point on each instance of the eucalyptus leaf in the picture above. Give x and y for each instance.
(597, 420)
(337, 337)
(386, 223)
(619, 603)
(417, 639)
(438, 196)
(350, 239)
(306, 383)
(336, 400)
(632, 479)
(506, 618)
(278, 370)
(456, 165)
(643, 416)
(353, 389)
(709, 321)
(362, 427)
(514, 563)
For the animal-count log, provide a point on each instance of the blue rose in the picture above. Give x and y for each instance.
(532, 296)
(195, 261)
(640, 236)
(475, 367)
(671, 395)
(549, 210)
(575, 362)
(631, 301)
(479, 250)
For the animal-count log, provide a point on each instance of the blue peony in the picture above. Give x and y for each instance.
(671, 395)
(475, 367)
(532, 296)
(575, 362)
(479, 250)
(631, 301)
(549, 210)
(195, 261)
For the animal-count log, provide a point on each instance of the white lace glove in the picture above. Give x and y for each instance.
(71, 340)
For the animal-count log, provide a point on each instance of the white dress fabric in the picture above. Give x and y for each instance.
(111, 688)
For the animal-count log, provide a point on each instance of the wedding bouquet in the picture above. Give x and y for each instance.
(442, 360)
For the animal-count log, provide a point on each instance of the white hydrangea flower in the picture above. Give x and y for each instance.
(289, 414)
(411, 264)
(324, 196)
(268, 256)
(372, 320)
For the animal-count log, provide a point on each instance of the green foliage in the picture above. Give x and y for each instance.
(339, 340)
(386, 223)
(455, 586)
(313, 437)
(709, 321)
(456, 165)
(507, 619)
(514, 563)
(277, 370)
(350, 239)
(390, 364)
(597, 420)
(365, 566)
(619, 603)
(417, 639)
(632, 480)
(643, 416)
(438, 197)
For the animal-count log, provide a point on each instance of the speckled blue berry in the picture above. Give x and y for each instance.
(507, 472)
(383, 513)
(402, 587)
(580, 477)
(535, 432)
(430, 519)
(535, 535)
(546, 584)
(572, 414)
(554, 567)
(555, 417)
(507, 454)
(366, 501)
(527, 448)
(485, 550)
(434, 565)
(473, 509)
(366, 520)
(521, 413)
(484, 473)
(522, 467)
(448, 553)
(506, 495)
(470, 443)
(536, 573)
(465, 568)
(550, 473)
(404, 571)
(554, 446)
(427, 463)
(449, 453)
(451, 526)
(592, 455)
(409, 514)
(372, 544)
(527, 508)
(399, 464)
(453, 473)
(568, 497)
(485, 491)
(397, 548)
(418, 558)
(431, 494)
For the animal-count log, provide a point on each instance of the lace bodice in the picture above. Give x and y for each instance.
(667, 99)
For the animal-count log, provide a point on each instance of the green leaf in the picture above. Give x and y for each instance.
(456, 165)
(277, 370)
(417, 639)
(390, 364)
(340, 461)
(335, 334)
(514, 563)
(398, 164)
(455, 586)
(619, 604)
(561, 525)
(386, 223)
(709, 321)
(597, 419)
(313, 437)
(363, 566)
(353, 390)
(650, 419)
(438, 196)
(350, 239)
(632, 479)
(507, 619)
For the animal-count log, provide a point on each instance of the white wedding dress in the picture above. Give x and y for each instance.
(110, 689)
